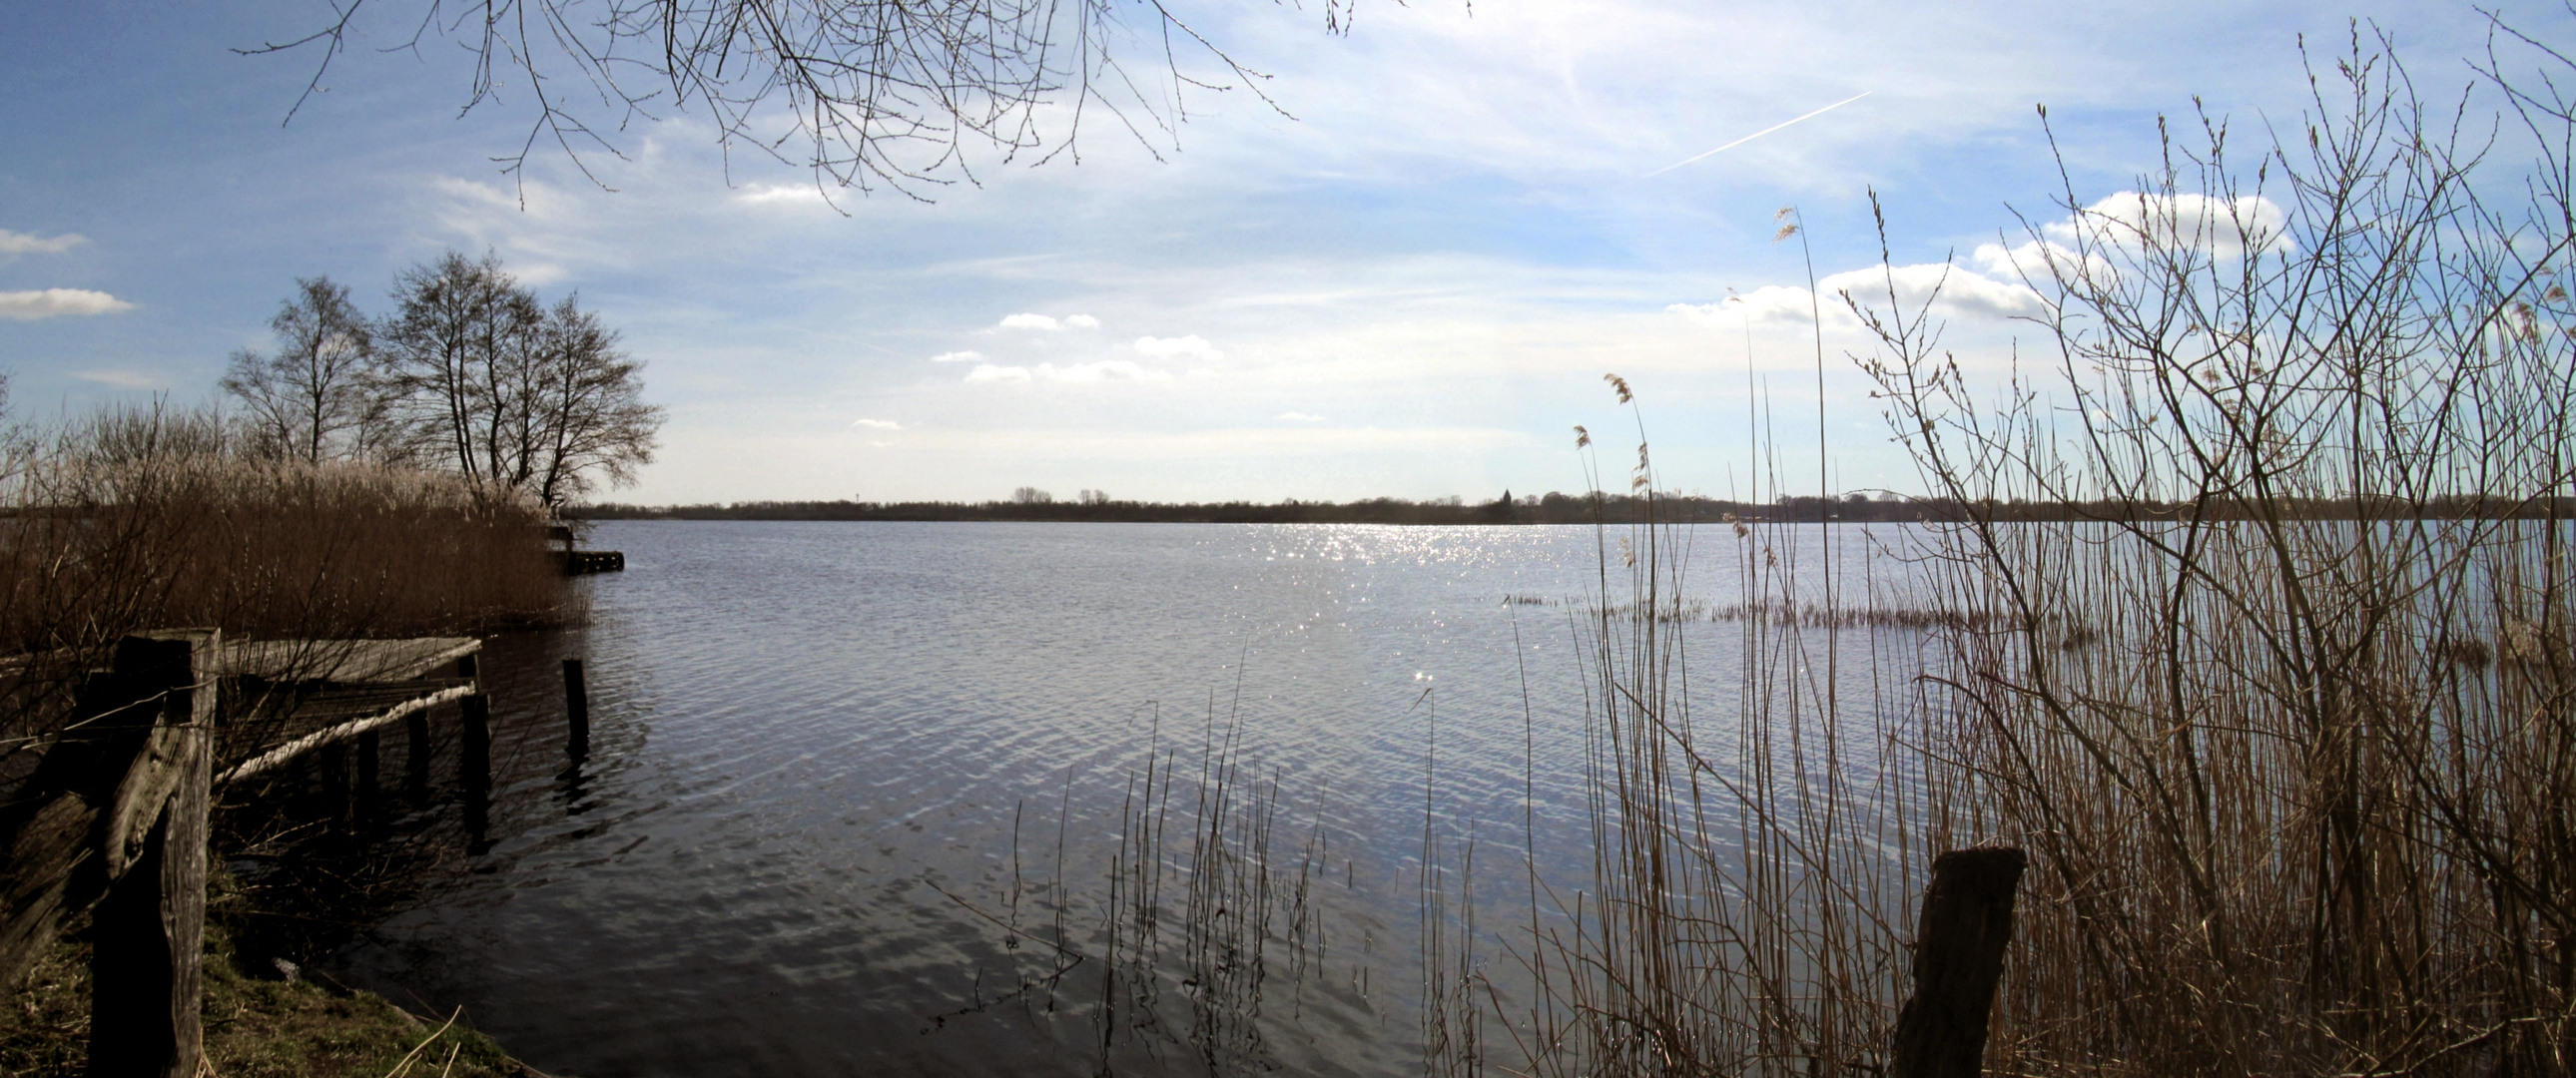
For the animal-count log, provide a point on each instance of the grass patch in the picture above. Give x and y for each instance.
(255, 1028)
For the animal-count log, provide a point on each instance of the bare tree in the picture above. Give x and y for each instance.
(315, 397)
(863, 92)
(510, 392)
(449, 348)
(586, 416)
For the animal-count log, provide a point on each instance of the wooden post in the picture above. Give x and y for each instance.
(576, 709)
(333, 761)
(474, 763)
(370, 750)
(1958, 959)
(416, 754)
(474, 769)
(148, 933)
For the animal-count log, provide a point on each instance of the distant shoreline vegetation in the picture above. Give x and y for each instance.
(1559, 508)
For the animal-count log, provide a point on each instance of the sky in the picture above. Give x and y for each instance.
(1404, 275)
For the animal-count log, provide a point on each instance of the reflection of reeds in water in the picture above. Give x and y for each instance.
(1204, 935)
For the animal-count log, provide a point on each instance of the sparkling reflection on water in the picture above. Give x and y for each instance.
(813, 743)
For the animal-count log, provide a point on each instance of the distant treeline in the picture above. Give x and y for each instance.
(1558, 508)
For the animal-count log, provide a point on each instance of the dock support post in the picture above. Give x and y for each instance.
(474, 754)
(334, 762)
(1958, 960)
(576, 709)
(474, 766)
(416, 754)
(148, 932)
(370, 751)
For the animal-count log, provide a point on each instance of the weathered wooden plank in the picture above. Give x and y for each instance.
(148, 934)
(346, 660)
(1958, 959)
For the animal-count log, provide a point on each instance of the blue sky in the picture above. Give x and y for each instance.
(1409, 283)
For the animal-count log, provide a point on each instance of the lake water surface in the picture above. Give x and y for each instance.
(838, 772)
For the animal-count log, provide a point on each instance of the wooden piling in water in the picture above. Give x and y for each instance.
(333, 760)
(416, 754)
(474, 765)
(1958, 960)
(370, 751)
(576, 709)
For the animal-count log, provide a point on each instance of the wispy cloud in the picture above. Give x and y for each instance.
(782, 194)
(1956, 290)
(1165, 347)
(30, 306)
(20, 243)
(1107, 370)
(957, 357)
(878, 424)
(1301, 417)
(123, 379)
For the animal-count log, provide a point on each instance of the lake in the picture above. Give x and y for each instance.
(858, 794)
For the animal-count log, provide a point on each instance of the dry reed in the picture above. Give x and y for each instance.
(142, 519)
(2299, 788)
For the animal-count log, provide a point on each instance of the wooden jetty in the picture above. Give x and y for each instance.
(113, 817)
(293, 696)
(583, 562)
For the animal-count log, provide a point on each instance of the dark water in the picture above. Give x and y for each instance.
(832, 765)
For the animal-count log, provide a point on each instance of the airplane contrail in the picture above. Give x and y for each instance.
(1758, 134)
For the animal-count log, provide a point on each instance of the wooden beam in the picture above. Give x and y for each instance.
(346, 660)
(1958, 959)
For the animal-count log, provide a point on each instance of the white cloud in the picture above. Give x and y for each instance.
(878, 424)
(122, 379)
(1959, 291)
(20, 243)
(1769, 303)
(1301, 417)
(782, 194)
(1164, 347)
(1954, 290)
(30, 306)
(1046, 322)
(957, 357)
(2223, 227)
(1107, 370)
